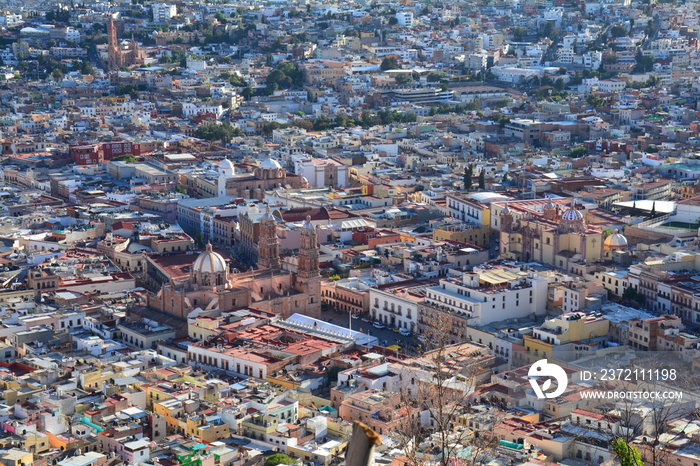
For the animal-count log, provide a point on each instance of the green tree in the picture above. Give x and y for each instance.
(278, 458)
(644, 63)
(268, 128)
(519, 34)
(57, 75)
(217, 132)
(595, 101)
(578, 152)
(129, 158)
(482, 180)
(626, 453)
(86, 68)
(403, 78)
(390, 63)
(343, 120)
(634, 212)
(247, 92)
(236, 80)
(619, 31)
(468, 177)
(303, 124)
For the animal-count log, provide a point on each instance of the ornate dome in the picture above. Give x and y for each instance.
(226, 165)
(269, 164)
(209, 262)
(572, 215)
(615, 241)
(268, 215)
(308, 225)
(550, 205)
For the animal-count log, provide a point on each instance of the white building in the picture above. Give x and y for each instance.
(405, 18)
(565, 55)
(511, 74)
(11, 20)
(190, 109)
(321, 172)
(492, 294)
(612, 85)
(396, 305)
(472, 208)
(162, 12)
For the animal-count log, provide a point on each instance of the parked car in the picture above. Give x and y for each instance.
(366, 319)
(405, 332)
(395, 330)
(355, 316)
(378, 325)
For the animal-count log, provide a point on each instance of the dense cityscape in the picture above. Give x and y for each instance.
(392, 233)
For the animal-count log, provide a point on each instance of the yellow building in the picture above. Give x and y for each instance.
(19, 393)
(35, 442)
(95, 379)
(259, 426)
(162, 392)
(464, 233)
(548, 234)
(208, 428)
(317, 454)
(568, 332)
(16, 457)
(174, 413)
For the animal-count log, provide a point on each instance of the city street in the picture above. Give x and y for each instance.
(386, 336)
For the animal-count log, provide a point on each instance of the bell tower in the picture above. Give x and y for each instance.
(308, 277)
(268, 244)
(113, 57)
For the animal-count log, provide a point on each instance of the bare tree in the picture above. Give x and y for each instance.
(440, 388)
(645, 423)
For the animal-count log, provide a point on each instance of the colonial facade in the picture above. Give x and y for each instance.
(555, 236)
(211, 285)
(118, 56)
(268, 175)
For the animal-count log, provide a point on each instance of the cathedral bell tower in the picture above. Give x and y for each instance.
(308, 277)
(112, 46)
(268, 245)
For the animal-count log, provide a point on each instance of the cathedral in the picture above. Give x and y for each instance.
(116, 55)
(550, 233)
(268, 287)
(268, 175)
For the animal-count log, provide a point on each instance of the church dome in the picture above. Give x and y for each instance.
(267, 215)
(572, 215)
(308, 225)
(550, 205)
(269, 164)
(226, 165)
(615, 241)
(209, 262)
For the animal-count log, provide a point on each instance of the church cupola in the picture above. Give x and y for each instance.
(209, 269)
